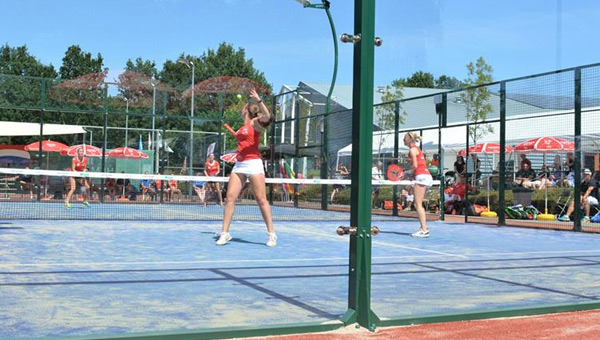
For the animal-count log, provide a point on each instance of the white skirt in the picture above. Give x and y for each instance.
(249, 167)
(425, 180)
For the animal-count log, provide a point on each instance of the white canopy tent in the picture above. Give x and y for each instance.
(33, 129)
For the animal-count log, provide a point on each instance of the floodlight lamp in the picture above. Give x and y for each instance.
(304, 3)
(185, 62)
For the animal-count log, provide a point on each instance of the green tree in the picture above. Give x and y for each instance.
(418, 79)
(224, 61)
(77, 63)
(20, 86)
(447, 82)
(476, 98)
(17, 61)
(384, 114)
(147, 67)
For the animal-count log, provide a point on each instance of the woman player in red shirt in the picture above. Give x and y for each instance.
(249, 166)
(211, 168)
(422, 181)
(78, 163)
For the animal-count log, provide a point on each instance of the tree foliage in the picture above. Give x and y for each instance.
(78, 63)
(476, 98)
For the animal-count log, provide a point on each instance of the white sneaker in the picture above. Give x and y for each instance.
(420, 233)
(272, 242)
(223, 238)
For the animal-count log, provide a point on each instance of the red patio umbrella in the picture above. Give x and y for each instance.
(47, 145)
(545, 145)
(485, 148)
(229, 157)
(88, 150)
(126, 152)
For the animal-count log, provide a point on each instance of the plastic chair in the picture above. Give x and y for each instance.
(563, 200)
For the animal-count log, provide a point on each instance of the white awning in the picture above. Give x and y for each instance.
(33, 129)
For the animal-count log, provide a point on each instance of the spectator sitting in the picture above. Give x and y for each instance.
(146, 187)
(26, 183)
(545, 179)
(124, 186)
(524, 160)
(589, 197)
(110, 187)
(199, 188)
(557, 168)
(173, 190)
(456, 195)
(525, 176)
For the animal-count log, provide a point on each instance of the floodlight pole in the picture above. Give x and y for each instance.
(190, 64)
(325, 4)
(126, 119)
(153, 125)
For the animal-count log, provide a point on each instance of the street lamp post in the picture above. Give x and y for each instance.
(190, 64)
(325, 4)
(126, 119)
(153, 126)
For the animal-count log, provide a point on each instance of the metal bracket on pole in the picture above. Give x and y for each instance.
(341, 230)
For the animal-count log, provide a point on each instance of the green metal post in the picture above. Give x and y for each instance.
(272, 148)
(577, 198)
(41, 151)
(396, 154)
(325, 4)
(359, 294)
(104, 132)
(502, 161)
(467, 176)
(297, 148)
(442, 123)
(221, 143)
(325, 139)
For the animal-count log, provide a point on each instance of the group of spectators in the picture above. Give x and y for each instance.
(561, 174)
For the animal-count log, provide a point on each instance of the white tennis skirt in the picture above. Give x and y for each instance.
(425, 180)
(249, 167)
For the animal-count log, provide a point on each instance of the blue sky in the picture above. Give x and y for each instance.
(291, 44)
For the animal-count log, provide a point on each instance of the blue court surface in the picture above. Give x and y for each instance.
(76, 278)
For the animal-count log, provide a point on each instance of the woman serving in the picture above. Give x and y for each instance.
(249, 166)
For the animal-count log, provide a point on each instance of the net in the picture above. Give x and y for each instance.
(41, 194)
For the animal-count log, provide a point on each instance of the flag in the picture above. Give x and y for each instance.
(160, 142)
(141, 144)
(211, 149)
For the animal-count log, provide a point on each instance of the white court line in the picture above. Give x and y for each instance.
(337, 238)
(316, 259)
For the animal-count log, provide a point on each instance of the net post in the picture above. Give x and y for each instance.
(359, 290)
(577, 169)
(502, 160)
